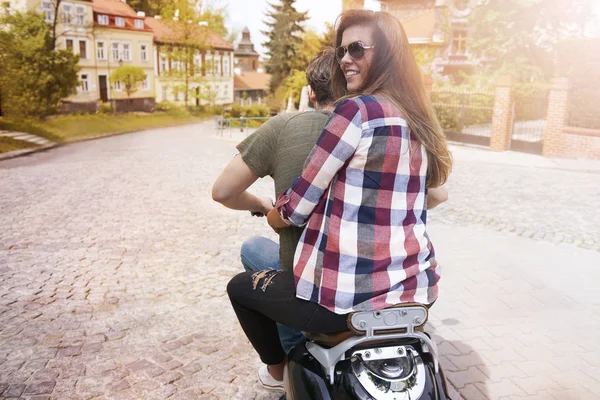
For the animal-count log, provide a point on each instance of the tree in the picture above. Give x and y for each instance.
(309, 48)
(284, 40)
(34, 76)
(129, 76)
(188, 40)
(215, 17)
(518, 37)
(328, 38)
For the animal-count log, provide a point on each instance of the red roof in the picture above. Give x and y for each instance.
(168, 32)
(251, 81)
(113, 7)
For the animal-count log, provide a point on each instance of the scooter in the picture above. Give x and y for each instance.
(385, 355)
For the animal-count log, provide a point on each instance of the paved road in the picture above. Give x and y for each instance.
(114, 261)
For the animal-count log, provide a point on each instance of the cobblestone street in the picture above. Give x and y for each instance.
(114, 261)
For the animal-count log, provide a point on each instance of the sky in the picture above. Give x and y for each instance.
(251, 13)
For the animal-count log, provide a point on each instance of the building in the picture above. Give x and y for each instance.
(246, 58)
(438, 29)
(251, 87)
(250, 82)
(191, 59)
(105, 34)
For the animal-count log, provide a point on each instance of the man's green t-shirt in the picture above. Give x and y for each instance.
(279, 148)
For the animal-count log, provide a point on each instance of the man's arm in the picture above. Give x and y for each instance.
(436, 196)
(230, 188)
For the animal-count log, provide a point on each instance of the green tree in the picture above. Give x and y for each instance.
(130, 78)
(34, 76)
(293, 85)
(215, 17)
(188, 40)
(309, 48)
(518, 37)
(284, 40)
(328, 38)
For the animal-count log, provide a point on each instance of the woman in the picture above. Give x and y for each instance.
(362, 196)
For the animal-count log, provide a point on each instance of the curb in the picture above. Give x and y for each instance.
(24, 152)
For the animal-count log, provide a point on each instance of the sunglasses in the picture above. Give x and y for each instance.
(355, 49)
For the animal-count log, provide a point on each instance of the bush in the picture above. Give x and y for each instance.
(256, 110)
(105, 108)
(253, 111)
(165, 106)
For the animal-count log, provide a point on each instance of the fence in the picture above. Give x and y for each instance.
(244, 123)
(465, 116)
(529, 123)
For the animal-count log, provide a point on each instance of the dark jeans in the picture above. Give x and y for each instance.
(258, 311)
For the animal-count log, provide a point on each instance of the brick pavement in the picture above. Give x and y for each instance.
(114, 261)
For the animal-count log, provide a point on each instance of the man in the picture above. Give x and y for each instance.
(278, 149)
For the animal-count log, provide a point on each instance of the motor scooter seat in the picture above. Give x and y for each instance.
(329, 339)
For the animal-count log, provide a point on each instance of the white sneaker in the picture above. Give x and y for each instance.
(267, 380)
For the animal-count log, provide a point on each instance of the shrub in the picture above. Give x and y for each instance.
(105, 108)
(165, 106)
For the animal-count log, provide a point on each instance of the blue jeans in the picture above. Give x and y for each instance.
(259, 253)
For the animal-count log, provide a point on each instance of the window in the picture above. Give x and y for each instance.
(85, 84)
(100, 47)
(226, 66)
(82, 49)
(120, 21)
(115, 52)
(145, 83)
(459, 42)
(126, 52)
(225, 90)
(117, 86)
(69, 44)
(217, 66)
(164, 66)
(80, 15)
(48, 10)
(66, 13)
(197, 62)
(139, 24)
(103, 19)
(210, 68)
(144, 52)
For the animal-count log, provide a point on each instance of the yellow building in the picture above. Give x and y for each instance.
(191, 59)
(105, 34)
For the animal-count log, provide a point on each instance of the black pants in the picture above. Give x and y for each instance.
(260, 301)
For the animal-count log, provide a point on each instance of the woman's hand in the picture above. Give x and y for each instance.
(265, 205)
(275, 221)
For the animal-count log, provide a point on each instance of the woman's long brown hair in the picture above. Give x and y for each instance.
(395, 75)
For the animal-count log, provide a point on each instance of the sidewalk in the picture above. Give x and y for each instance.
(43, 144)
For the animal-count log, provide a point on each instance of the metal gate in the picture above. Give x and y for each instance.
(465, 116)
(529, 123)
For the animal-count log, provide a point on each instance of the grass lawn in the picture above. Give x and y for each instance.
(9, 144)
(69, 128)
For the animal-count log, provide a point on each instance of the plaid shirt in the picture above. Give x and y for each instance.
(363, 194)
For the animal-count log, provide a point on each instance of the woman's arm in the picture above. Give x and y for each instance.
(436, 196)
(334, 147)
